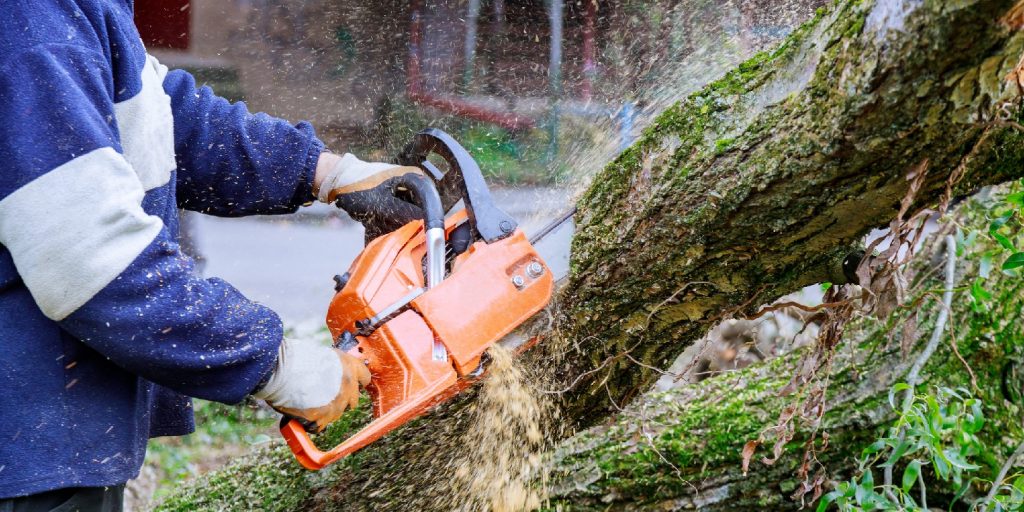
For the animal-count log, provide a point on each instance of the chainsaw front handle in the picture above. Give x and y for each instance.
(464, 181)
(425, 196)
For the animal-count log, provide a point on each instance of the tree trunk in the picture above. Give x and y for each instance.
(761, 183)
(757, 185)
(682, 448)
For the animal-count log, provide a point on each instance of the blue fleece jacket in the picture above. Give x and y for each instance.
(103, 328)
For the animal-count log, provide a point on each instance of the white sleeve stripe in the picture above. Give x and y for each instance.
(146, 126)
(74, 229)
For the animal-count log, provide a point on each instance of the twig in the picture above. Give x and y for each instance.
(580, 377)
(654, 369)
(705, 345)
(672, 297)
(606, 362)
(998, 482)
(796, 305)
(956, 350)
(610, 399)
(924, 491)
(940, 323)
(929, 349)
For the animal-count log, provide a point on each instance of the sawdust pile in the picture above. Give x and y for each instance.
(500, 461)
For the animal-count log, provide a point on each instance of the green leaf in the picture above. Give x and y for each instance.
(896, 388)
(1003, 241)
(875, 447)
(1019, 483)
(1015, 260)
(957, 460)
(979, 293)
(999, 222)
(976, 420)
(910, 474)
(861, 493)
(985, 266)
(993, 231)
(1016, 199)
(897, 453)
(941, 467)
(963, 490)
(873, 500)
(827, 500)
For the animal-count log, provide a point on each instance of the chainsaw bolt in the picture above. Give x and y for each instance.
(535, 269)
(506, 226)
(518, 281)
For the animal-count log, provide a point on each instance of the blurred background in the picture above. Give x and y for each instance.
(543, 93)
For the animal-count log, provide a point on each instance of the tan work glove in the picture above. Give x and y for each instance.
(369, 193)
(314, 383)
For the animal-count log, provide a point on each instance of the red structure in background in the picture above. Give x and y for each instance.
(163, 23)
(415, 92)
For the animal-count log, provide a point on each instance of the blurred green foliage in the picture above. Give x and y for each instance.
(222, 432)
(505, 157)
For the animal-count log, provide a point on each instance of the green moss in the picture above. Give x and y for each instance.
(723, 145)
(269, 479)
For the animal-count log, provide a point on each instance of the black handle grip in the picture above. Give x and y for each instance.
(393, 204)
(424, 194)
(309, 426)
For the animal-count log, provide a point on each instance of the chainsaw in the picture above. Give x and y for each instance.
(422, 304)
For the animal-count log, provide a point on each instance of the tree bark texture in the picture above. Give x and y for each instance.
(682, 448)
(762, 182)
(755, 186)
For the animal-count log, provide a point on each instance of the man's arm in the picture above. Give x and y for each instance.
(232, 162)
(95, 261)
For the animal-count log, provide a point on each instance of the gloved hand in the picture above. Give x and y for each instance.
(314, 383)
(368, 191)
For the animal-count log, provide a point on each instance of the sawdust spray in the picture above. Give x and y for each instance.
(500, 461)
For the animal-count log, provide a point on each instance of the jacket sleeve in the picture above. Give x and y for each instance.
(109, 273)
(233, 163)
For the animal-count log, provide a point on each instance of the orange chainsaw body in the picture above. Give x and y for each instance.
(489, 290)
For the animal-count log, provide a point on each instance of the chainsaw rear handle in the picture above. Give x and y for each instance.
(463, 181)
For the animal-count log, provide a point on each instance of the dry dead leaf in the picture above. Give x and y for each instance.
(1014, 18)
(748, 451)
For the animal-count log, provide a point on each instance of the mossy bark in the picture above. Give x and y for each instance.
(753, 187)
(682, 449)
(759, 184)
